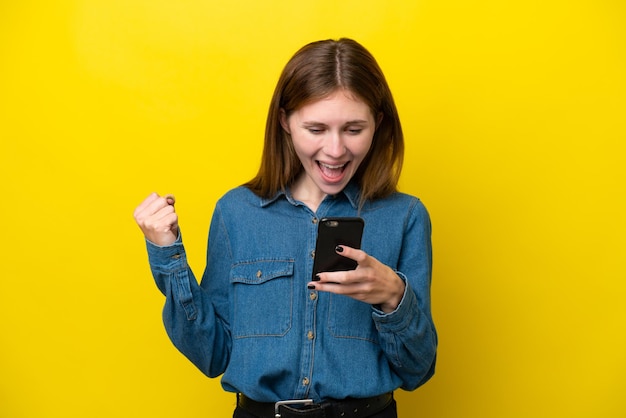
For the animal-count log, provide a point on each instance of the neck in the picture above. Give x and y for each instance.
(307, 193)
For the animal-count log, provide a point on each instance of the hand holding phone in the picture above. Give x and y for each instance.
(332, 232)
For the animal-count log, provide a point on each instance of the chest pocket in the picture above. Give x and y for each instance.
(262, 298)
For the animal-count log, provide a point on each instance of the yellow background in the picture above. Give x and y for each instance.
(515, 127)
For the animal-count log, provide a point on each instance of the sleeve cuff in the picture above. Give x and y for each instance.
(167, 256)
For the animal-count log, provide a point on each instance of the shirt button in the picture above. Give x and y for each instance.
(313, 254)
(310, 335)
(305, 381)
(259, 274)
(314, 220)
(313, 295)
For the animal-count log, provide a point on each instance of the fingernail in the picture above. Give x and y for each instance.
(311, 286)
(339, 248)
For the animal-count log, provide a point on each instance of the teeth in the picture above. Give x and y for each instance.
(332, 167)
(332, 171)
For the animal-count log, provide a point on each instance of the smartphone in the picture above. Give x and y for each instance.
(330, 233)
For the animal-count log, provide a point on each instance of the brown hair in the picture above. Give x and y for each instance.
(313, 73)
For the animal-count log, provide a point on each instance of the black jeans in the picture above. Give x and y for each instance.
(388, 412)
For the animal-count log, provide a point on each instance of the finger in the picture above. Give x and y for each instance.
(157, 205)
(359, 256)
(150, 218)
(329, 277)
(346, 277)
(164, 221)
(167, 222)
(145, 203)
(324, 286)
(170, 199)
(338, 284)
(168, 215)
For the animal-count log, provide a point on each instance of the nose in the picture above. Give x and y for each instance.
(334, 145)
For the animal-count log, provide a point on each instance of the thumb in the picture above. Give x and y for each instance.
(170, 199)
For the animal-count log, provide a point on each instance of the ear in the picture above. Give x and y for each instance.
(379, 119)
(283, 120)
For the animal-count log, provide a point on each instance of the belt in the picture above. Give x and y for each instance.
(347, 408)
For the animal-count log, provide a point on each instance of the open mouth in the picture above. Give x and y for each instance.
(332, 171)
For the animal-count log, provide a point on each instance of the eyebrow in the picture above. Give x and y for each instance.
(350, 122)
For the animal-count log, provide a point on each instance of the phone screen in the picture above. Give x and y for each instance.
(330, 233)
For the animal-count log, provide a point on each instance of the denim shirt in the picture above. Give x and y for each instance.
(253, 319)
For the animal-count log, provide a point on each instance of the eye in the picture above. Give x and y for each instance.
(315, 131)
(354, 131)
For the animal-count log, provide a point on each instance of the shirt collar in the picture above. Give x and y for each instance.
(351, 192)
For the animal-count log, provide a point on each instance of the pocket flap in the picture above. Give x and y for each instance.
(260, 271)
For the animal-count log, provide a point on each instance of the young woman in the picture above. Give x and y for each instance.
(339, 345)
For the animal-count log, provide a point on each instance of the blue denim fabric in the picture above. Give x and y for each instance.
(253, 318)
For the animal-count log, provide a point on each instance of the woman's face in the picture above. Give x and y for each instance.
(331, 137)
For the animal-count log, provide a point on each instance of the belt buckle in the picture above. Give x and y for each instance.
(290, 402)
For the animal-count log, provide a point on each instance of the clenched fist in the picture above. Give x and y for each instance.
(157, 219)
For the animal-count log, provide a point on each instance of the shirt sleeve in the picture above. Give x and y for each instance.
(407, 335)
(189, 315)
